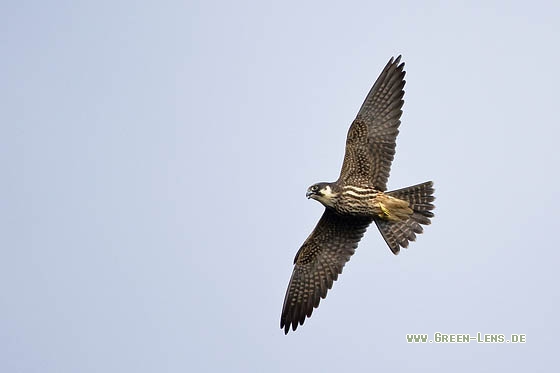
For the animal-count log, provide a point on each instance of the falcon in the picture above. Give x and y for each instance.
(357, 199)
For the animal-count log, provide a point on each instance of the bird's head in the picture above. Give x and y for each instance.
(322, 192)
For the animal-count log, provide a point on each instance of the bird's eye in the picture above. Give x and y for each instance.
(314, 188)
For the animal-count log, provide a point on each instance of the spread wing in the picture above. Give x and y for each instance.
(318, 263)
(370, 144)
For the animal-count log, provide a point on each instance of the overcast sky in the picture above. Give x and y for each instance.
(155, 158)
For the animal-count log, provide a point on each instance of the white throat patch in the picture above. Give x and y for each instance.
(326, 197)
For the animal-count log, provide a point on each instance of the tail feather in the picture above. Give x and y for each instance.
(398, 234)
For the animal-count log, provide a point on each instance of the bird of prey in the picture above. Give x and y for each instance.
(358, 198)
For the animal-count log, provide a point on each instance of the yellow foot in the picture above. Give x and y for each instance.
(385, 210)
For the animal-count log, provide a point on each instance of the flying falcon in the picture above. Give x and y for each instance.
(358, 198)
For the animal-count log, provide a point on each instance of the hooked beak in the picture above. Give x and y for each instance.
(309, 194)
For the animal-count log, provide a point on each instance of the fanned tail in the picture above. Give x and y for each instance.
(397, 234)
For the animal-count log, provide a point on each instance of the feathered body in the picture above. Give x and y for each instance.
(357, 199)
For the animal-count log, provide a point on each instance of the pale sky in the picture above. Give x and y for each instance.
(156, 155)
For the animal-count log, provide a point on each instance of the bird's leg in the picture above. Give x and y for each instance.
(384, 209)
